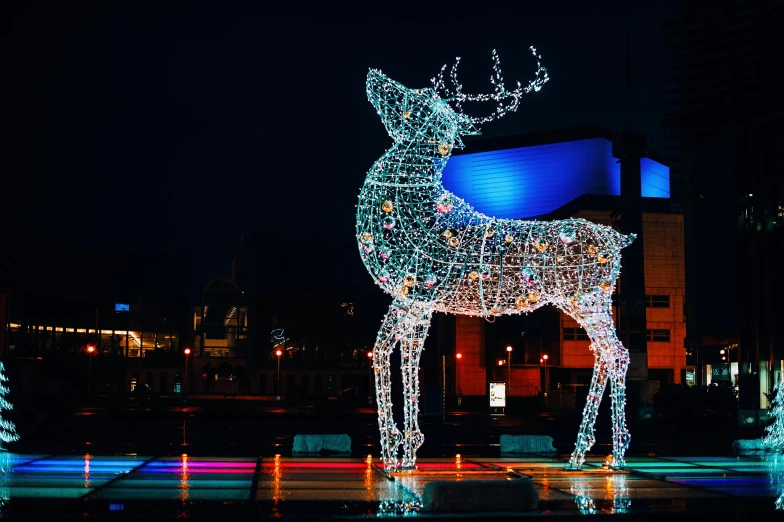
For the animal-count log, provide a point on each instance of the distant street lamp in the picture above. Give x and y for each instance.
(187, 352)
(370, 378)
(546, 376)
(509, 367)
(278, 353)
(458, 356)
(90, 351)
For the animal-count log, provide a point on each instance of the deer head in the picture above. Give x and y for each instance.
(434, 115)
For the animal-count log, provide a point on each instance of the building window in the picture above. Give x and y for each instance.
(575, 334)
(658, 335)
(657, 301)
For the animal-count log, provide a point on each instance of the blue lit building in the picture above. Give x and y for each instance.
(519, 178)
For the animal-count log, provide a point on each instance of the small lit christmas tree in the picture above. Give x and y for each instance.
(7, 428)
(774, 432)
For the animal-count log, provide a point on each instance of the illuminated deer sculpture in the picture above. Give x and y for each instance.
(433, 252)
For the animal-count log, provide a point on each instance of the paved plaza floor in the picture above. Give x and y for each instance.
(155, 488)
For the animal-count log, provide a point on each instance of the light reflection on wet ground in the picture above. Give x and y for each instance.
(358, 487)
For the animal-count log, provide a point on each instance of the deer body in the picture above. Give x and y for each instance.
(494, 255)
(433, 252)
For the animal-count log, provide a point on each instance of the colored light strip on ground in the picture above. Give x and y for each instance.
(212, 467)
(314, 465)
(184, 479)
(201, 464)
(70, 476)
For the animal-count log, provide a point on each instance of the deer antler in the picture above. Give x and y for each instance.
(500, 94)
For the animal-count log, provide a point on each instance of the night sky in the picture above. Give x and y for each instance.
(180, 125)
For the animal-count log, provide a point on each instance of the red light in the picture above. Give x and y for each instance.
(278, 353)
(187, 351)
(459, 355)
(90, 349)
(370, 354)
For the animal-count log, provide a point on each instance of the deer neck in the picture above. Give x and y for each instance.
(410, 163)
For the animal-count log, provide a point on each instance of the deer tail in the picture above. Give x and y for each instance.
(625, 240)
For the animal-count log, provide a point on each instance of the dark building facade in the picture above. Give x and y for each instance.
(308, 296)
(96, 320)
(724, 77)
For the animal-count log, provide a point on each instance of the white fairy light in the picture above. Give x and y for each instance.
(774, 432)
(7, 427)
(433, 252)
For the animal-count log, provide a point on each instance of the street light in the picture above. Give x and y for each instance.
(546, 380)
(370, 378)
(90, 350)
(458, 356)
(278, 353)
(509, 367)
(187, 352)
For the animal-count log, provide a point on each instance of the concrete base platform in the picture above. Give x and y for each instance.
(518, 494)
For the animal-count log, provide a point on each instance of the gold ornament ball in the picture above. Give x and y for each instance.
(509, 238)
(367, 237)
(409, 280)
(387, 206)
(447, 234)
(473, 275)
(521, 301)
(443, 148)
(453, 242)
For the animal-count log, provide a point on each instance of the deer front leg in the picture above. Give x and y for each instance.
(621, 436)
(586, 437)
(410, 351)
(385, 343)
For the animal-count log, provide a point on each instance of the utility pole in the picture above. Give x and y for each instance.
(443, 388)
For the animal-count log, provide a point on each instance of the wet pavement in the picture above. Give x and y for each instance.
(222, 459)
(99, 487)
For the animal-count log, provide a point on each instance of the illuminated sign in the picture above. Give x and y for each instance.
(720, 372)
(497, 394)
(122, 307)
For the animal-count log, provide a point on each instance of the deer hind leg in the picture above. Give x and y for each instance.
(594, 313)
(618, 365)
(410, 350)
(392, 328)
(586, 436)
